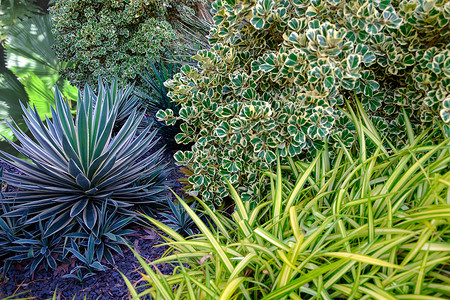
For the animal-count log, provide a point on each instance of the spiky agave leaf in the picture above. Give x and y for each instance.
(39, 249)
(108, 233)
(125, 97)
(179, 220)
(77, 165)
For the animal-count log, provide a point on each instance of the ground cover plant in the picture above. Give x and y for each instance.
(278, 73)
(83, 181)
(353, 227)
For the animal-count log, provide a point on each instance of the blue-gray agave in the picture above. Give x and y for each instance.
(77, 165)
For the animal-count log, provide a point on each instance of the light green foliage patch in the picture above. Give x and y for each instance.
(279, 72)
(12, 11)
(35, 71)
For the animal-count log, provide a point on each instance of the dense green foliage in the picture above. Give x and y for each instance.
(113, 38)
(278, 73)
(154, 97)
(84, 178)
(367, 228)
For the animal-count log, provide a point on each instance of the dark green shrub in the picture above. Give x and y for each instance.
(278, 73)
(113, 38)
(83, 175)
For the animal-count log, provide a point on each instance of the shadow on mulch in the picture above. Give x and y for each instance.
(105, 285)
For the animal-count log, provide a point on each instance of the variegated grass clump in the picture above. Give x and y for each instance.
(367, 228)
(278, 73)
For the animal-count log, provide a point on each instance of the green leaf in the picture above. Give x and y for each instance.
(90, 215)
(266, 67)
(353, 62)
(362, 258)
(329, 82)
(258, 23)
(249, 94)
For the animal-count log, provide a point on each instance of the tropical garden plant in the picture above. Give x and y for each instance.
(13, 11)
(154, 97)
(278, 73)
(82, 175)
(352, 227)
(33, 71)
(11, 229)
(39, 248)
(105, 238)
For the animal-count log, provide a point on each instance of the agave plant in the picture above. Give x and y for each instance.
(358, 228)
(90, 263)
(11, 230)
(107, 235)
(77, 165)
(80, 273)
(179, 220)
(126, 99)
(154, 95)
(154, 77)
(40, 249)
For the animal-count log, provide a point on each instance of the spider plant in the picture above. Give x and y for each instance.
(357, 227)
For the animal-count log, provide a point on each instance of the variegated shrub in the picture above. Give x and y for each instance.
(111, 38)
(279, 72)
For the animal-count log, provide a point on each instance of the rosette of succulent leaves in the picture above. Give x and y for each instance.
(82, 175)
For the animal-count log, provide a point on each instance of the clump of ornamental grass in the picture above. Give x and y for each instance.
(351, 227)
